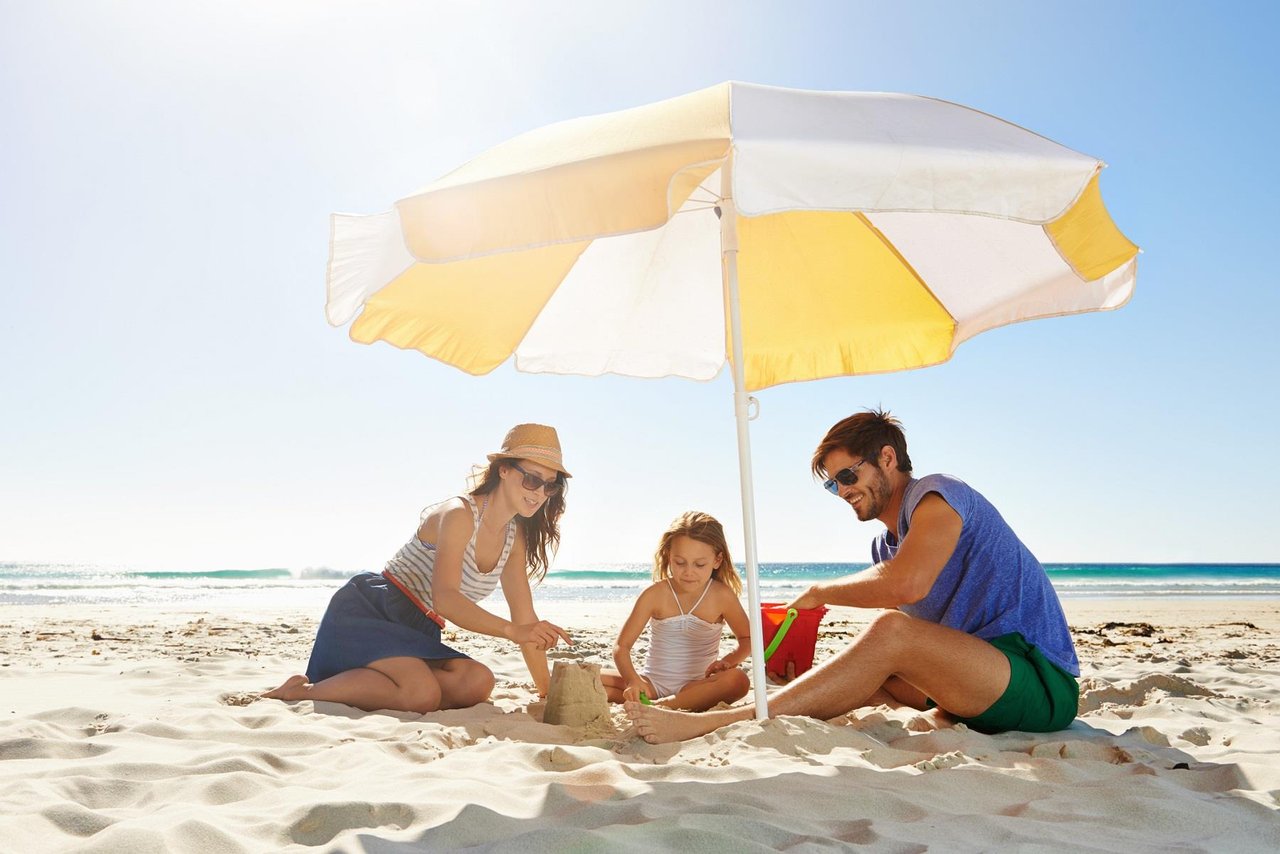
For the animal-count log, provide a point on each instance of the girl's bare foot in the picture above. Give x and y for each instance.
(294, 688)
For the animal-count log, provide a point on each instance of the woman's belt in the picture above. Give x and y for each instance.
(432, 615)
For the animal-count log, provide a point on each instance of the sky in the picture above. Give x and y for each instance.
(171, 395)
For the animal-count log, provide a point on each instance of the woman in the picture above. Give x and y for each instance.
(379, 645)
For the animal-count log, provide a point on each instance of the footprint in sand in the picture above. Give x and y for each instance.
(1139, 692)
(324, 821)
(1198, 736)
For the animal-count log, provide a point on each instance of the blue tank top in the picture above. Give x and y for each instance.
(992, 585)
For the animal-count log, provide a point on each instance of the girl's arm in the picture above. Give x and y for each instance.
(449, 602)
(631, 629)
(736, 618)
(515, 587)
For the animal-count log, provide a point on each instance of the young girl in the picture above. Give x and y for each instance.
(379, 644)
(694, 595)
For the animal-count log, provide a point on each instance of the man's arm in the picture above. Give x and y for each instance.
(908, 576)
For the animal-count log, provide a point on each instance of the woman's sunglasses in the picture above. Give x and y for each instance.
(532, 481)
(844, 477)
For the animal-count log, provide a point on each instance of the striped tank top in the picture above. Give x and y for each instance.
(412, 567)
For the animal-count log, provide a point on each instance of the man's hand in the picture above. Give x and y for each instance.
(782, 680)
(811, 598)
(540, 635)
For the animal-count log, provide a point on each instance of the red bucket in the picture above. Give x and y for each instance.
(799, 637)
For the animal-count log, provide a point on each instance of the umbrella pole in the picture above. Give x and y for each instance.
(741, 408)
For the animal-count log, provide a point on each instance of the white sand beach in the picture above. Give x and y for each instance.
(139, 731)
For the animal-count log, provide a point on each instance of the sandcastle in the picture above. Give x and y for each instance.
(576, 696)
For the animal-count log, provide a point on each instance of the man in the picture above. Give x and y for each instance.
(971, 623)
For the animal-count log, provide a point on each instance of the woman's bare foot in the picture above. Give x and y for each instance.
(657, 725)
(294, 688)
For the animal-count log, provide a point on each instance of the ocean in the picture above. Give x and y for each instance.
(78, 584)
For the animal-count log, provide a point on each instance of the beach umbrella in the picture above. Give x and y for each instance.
(792, 235)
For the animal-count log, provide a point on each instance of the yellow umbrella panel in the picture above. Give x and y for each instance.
(877, 232)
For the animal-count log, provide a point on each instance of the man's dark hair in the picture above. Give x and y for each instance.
(864, 435)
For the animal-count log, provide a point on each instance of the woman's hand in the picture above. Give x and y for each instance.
(717, 666)
(540, 635)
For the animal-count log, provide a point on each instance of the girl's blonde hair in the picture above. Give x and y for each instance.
(704, 528)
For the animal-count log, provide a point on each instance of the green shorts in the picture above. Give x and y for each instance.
(1041, 697)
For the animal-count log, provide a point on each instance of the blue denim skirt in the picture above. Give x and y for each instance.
(368, 619)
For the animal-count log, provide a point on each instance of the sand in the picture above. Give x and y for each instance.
(130, 730)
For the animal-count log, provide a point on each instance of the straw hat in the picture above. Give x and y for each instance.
(536, 442)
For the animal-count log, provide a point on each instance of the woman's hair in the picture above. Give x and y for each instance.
(704, 528)
(542, 529)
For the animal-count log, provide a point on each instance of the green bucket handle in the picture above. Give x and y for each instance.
(781, 633)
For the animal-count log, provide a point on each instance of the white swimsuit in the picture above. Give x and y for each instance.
(681, 647)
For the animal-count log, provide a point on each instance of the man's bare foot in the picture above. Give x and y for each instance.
(294, 688)
(657, 725)
(933, 719)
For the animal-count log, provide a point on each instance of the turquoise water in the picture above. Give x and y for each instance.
(1071, 580)
(26, 583)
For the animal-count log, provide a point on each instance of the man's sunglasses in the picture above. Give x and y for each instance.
(844, 477)
(532, 481)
